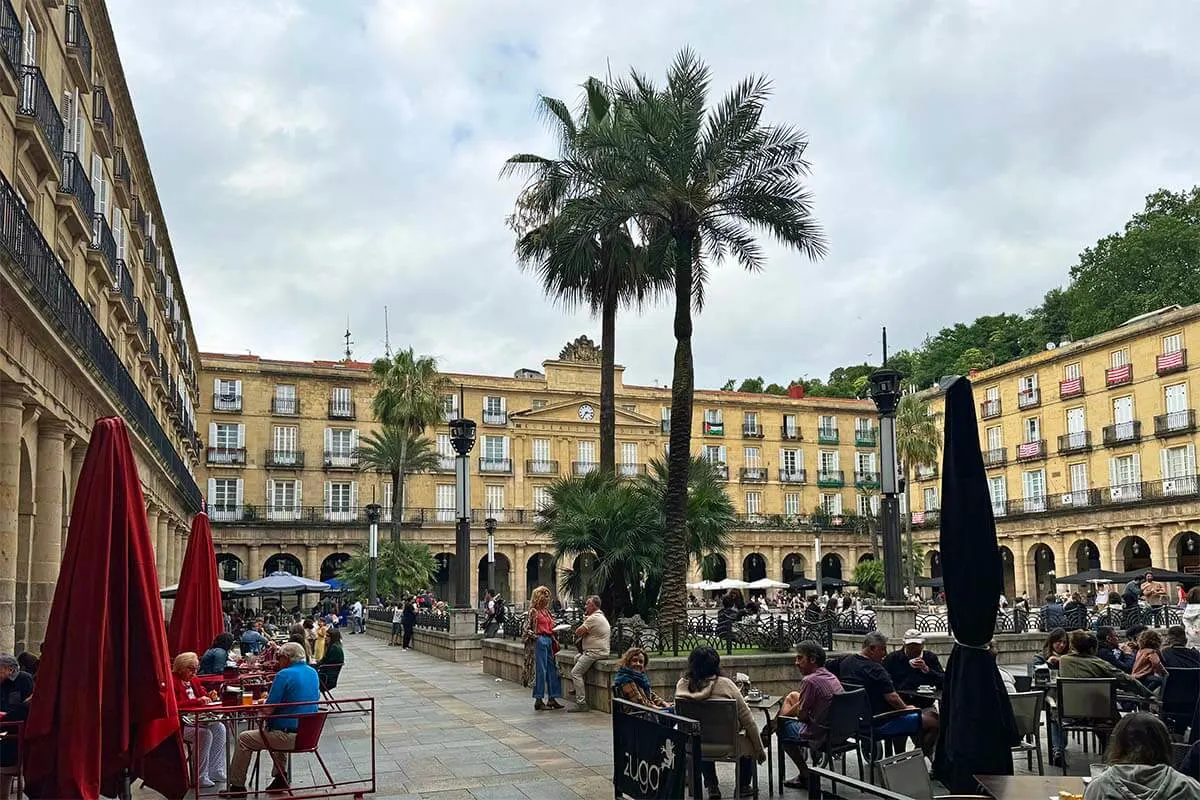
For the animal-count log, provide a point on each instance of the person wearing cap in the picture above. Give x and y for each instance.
(913, 666)
(866, 669)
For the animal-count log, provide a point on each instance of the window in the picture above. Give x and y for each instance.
(1072, 371)
(868, 505)
(285, 399)
(587, 457)
(29, 53)
(629, 458)
(827, 423)
(1028, 383)
(931, 499)
(995, 438)
(100, 190)
(227, 395)
(790, 429)
(992, 393)
(828, 461)
(714, 454)
(1176, 397)
(541, 498)
(283, 443)
(753, 504)
(1172, 343)
(282, 499)
(1033, 429)
(1034, 486)
(998, 489)
(791, 504)
(1124, 427)
(341, 497)
(865, 465)
(1119, 358)
(789, 464)
(1125, 477)
(541, 456)
(227, 436)
(342, 442)
(750, 423)
(494, 411)
(666, 420)
(385, 514)
(494, 502)
(449, 407)
(753, 457)
(445, 502)
(225, 498)
(831, 504)
(1179, 469)
(495, 450)
(538, 404)
(714, 424)
(1076, 421)
(445, 452)
(341, 403)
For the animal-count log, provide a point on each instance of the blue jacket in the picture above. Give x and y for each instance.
(254, 640)
(1115, 657)
(295, 683)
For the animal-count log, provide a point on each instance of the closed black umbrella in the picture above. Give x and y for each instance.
(977, 725)
(1159, 575)
(1094, 575)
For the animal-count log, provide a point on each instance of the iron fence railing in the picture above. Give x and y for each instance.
(11, 35)
(1039, 620)
(77, 37)
(37, 101)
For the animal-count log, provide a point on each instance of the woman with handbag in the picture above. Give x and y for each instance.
(541, 643)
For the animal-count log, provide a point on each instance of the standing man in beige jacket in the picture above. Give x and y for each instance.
(594, 636)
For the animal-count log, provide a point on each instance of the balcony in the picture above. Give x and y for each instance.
(665, 426)
(541, 467)
(76, 196)
(150, 357)
(866, 480)
(142, 340)
(341, 459)
(103, 250)
(496, 466)
(1029, 398)
(989, 408)
(583, 467)
(283, 513)
(1071, 387)
(1175, 423)
(789, 433)
(11, 37)
(446, 464)
(1167, 363)
(79, 47)
(1125, 493)
(753, 475)
(227, 402)
(926, 472)
(1118, 376)
(102, 115)
(1180, 485)
(791, 476)
(285, 406)
(137, 219)
(1122, 433)
(341, 409)
(827, 435)
(163, 372)
(865, 437)
(122, 177)
(830, 479)
(495, 417)
(995, 458)
(721, 471)
(288, 459)
(752, 431)
(39, 120)
(630, 470)
(1077, 442)
(1031, 451)
(226, 456)
(122, 291)
(714, 428)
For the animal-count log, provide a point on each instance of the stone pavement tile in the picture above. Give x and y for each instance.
(551, 790)
(469, 769)
(498, 793)
(450, 794)
(510, 765)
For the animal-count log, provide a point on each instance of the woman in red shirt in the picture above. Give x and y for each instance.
(539, 631)
(208, 737)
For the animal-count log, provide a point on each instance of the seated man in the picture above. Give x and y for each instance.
(804, 715)
(1176, 653)
(253, 640)
(866, 669)
(1082, 662)
(913, 666)
(1112, 649)
(296, 682)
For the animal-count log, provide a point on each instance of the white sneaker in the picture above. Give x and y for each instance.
(205, 783)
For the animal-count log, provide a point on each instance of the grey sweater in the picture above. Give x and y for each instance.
(1140, 782)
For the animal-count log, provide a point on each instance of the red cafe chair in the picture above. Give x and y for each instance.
(308, 738)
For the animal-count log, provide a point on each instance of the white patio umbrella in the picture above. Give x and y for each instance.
(704, 586)
(766, 583)
(731, 583)
(225, 586)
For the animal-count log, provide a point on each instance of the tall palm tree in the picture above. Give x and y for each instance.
(409, 398)
(699, 182)
(398, 453)
(917, 439)
(602, 270)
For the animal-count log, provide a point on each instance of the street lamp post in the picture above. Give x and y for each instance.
(462, 437)
(885, 391)
(490, 524)
(373, 511)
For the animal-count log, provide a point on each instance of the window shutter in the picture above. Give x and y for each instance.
(328, 441)
(836, 461)
(241, 435)
(1163, 465)
(216, 387)
(1112, 473)
(212, 492)
(327, 504)
(353, 497)
(1137, 468)
(723, 458)
(299, 496)
(237, 388)
(354, 440)
(503, 405)
(504, 445)
(1190, 461)
(270, 492)
(240, 498)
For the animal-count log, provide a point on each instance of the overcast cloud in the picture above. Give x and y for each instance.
(318, 160)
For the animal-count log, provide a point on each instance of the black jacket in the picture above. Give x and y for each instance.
(905, 678)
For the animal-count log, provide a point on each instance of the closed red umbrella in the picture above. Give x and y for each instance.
(105, 708)
(197, 616)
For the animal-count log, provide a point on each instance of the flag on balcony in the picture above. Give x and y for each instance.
(1029, 450)
(1169, 361)
(1118, 375)
(918, 518)
(1071, 386)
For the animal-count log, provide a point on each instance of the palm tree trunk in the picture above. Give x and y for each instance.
(912, 568)
(396, 513)
(673, 595)
(608, 409)
(398, 491)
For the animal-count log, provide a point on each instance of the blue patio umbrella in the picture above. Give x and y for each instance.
(281, 582)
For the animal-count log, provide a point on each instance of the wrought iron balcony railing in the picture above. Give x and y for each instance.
(1077, 442)
(37, 103)
(791, 476)
(752, 431)
(996, 457)
(227, 456)
(1175, 423)
(1031, 451)
(827, 435)
(1029, 398)
(285, 406)
(540, 467)
(789, 433)
(227, 402)
(584, 467)
(341, 459)
(754, 475)
(865, 437)
(502, 466)
(1122, 433)
(830, 478)
(866, 480)
(341, 409)
(11, 37)
(79, 44)
(989, 408)
(495, 417)
(103, 242)
(285, 458)
(1167, 363)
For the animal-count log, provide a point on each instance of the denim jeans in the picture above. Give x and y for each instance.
(546, 681)
(746, 766)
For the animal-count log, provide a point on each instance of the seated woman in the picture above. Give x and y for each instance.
(1147, 665)
(216, 656)
(208, 737)
(703, 681)
(1056, 645)
(1140, 763)
(332, 661)
(631, 682)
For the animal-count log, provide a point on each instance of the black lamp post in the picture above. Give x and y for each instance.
(373, 511)
(885, 391)
(462, 437)
(490, 524)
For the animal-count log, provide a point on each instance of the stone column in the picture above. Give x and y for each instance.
(12, 406)
(1104, 543)
(520, 589)
(1017, 548)
(78, 454)
(180, 544)
(162, 555)
(46, 545)
(152, 527)
(1060, 556)
(776, 559)
(253, 572)
(312, 564)
(1158, 547)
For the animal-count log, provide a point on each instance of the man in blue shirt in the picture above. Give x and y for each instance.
(1112, 651)
(296, 682)
(253, 641)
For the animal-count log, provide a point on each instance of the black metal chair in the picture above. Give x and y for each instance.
(1087, 706)
(846, 711)
(1180, 696)
(720, 732)
(1027, 710)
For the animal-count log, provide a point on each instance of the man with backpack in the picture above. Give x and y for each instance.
(495, 614)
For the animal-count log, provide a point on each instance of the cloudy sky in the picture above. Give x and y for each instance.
(318, 160)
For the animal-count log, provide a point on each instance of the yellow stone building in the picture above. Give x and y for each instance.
(93, 321)
(1090, 450)
(285, 489)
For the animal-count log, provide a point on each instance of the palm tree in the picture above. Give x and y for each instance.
(917, 438)
(698, 181)
(603, 270)
(402, 567)
(398, 453)
(409, 398)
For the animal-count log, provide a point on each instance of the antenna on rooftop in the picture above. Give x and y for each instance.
(884, 364)
(387, 342)
(346, 336)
